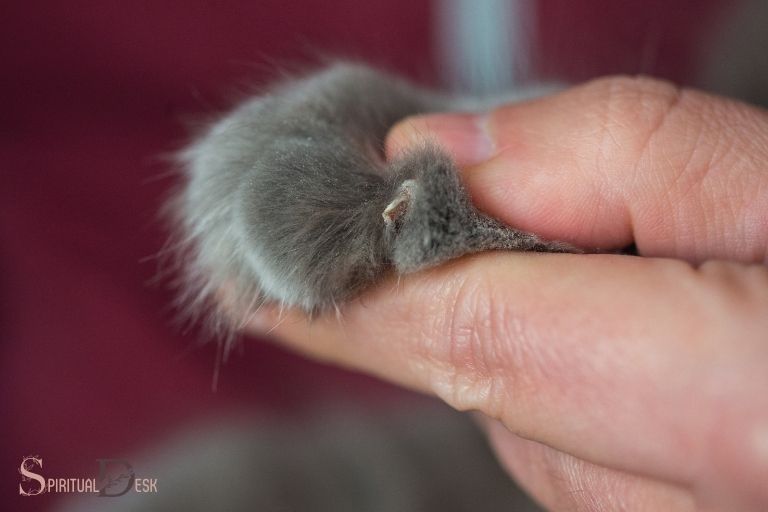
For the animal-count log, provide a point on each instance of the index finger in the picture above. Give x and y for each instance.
(560, 348)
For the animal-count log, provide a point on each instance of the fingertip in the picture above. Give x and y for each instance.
(464, 136)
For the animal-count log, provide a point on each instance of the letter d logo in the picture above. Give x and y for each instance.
(110, 482)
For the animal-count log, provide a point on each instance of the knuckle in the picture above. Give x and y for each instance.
(483, 361)
(470, 337)
(691, 153)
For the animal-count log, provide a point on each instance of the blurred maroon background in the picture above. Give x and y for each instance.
(94, 95)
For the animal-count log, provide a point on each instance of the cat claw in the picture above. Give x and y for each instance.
(395, 210)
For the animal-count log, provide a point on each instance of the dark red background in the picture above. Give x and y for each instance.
(94, 93)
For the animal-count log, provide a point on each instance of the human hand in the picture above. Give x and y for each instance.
(604, 381)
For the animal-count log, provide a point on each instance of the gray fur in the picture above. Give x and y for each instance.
(289, 199)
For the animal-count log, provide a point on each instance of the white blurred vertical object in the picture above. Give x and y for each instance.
(484, 45)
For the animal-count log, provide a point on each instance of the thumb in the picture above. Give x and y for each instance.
(617, 161)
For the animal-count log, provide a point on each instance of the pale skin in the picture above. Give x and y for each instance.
(604, 382)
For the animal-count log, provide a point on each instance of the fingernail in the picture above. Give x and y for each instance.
(464, 136)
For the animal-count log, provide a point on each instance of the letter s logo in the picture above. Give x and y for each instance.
(27, 464)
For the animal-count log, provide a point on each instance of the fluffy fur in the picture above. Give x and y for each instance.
(289, 199)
